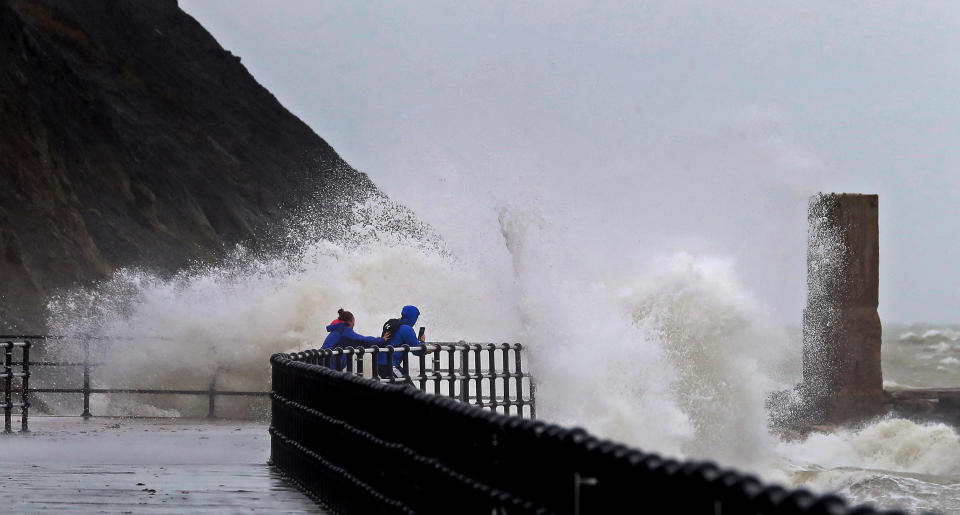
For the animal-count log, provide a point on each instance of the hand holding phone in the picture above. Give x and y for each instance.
(422, 336)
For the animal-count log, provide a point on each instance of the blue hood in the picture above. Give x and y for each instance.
(409, 315)
(337, 326)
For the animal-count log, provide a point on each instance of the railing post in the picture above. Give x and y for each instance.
(507, 402)
(451, 373)
(86, 379)
(405, 363)
(533, 399)
(7, 385)
(435, 372)
(375, 363)
(25, 386)
(465, 370)
(478, 381)
(390, 362)
(491, 359)
(423, 367)
(518, 375)
(212, 396)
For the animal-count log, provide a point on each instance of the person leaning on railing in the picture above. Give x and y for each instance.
(342, 335)
(404, 335)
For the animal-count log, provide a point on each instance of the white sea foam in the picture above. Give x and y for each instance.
(893, 463)
(909, 336)
(940, 347)
(890, 445)
(931, 336)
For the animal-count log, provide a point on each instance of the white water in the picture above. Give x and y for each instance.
(668, 352)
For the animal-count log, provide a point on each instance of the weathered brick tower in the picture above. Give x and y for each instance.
(842, 379)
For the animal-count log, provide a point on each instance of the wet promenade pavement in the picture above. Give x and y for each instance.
(105, 465)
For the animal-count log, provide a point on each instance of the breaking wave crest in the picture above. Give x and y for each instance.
(892, 462)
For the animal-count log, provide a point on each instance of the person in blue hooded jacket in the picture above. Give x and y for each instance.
(342, 335)
(404, 335)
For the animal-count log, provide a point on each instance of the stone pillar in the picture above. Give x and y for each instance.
(842, 380)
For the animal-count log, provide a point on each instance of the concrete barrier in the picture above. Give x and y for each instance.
(841, 327)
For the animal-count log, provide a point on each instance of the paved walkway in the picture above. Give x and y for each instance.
(103, 465)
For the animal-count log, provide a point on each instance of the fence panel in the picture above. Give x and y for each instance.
(490, 376)
(83, 385)
(15, 378)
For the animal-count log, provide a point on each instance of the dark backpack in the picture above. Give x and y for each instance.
(390, 326)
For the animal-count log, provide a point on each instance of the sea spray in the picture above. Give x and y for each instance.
(675, 356)
(678, 356)
(671, 354)
(727, 353)
(220, 323)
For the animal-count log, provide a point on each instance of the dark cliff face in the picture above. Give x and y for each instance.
(128, 136)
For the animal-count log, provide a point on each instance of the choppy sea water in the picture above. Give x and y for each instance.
(921, 355)
(893, 463)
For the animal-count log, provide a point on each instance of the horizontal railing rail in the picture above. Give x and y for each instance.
(86, 389)
(363, 446)
(486, 375)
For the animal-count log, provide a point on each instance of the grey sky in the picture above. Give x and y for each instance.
(647, 127)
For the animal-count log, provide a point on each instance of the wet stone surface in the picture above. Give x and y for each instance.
(68, 465)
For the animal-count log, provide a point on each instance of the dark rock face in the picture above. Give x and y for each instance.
(129, 136)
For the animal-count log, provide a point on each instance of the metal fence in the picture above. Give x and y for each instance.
(15, 382)
(85, 388)
(367, 447)
(486, 375)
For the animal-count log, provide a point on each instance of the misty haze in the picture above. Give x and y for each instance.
(689, 220)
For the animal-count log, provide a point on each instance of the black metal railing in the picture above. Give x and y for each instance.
(491, 376)
(486, 375)
(368, 447)
(85, 388)
(15, 380)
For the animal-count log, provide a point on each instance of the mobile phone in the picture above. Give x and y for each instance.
(423, 331)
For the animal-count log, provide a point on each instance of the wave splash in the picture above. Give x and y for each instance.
(671, 354)
(891, 462)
